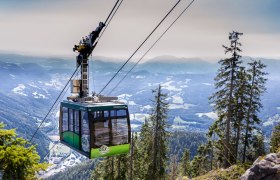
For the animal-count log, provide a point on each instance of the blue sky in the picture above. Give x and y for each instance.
(51, 28)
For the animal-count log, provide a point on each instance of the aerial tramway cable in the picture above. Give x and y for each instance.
(53, 104)
(108, 18)
(152, 45)
(139, 47)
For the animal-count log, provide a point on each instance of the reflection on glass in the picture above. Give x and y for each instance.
(64, 119)
(77, 119)
(110, 128)
(85, 132)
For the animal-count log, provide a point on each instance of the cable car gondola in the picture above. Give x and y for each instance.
(96, 125)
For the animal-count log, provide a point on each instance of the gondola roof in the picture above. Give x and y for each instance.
(93, 106)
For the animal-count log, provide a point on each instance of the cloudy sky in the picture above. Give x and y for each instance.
(52, 27)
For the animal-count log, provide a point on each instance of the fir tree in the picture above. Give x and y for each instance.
(275, 140)
(240, 107)
(160, 135)
(145, 149)
(185, 167)
(223, 99)
(255, 90)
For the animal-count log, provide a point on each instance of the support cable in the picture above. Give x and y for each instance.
(152, 46)
(110, 18)
(53, 104)
(139, 47)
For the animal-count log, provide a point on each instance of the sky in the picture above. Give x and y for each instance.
(52, 27)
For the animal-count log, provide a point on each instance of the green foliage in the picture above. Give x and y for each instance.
(18, 159)
(158, 119)
(223, 98)
(275, 140)
(185, 164)
(232, 173)
(179, 141)
(237, 103)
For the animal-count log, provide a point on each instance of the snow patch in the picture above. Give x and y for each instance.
(177, 99)
(178, 120)
(32, 84)
(147, 107)
(211, 115)
(13, 76)
(124, 96)
(135, 126)
(167, 85)
(272, 120)
(139, 117)
(178, 127)
(140, 77)
(132, 103)
(19, 90)
(207, 84)
(39, 96)
(54, 83)
(180, 106)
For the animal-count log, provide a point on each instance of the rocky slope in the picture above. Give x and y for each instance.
(267, 168)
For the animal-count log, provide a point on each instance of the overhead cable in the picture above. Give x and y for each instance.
(152, 45)
(139, 47)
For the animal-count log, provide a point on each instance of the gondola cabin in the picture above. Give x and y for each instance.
(95, 129)
(96, 125)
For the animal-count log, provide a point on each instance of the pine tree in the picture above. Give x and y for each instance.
(275, 140)
(160, 135)
(104, 169)
(145, 150)
(240, 107)
(224, 98)
(257, 147)
(255, 90)
(185, 167)
(18, 158)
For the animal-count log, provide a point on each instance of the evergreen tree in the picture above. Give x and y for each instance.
(240, 107)
(202, 161)
(223, 99)
(257, 147)
(18, 159)
(185, 167)
(275, 140)
(173, 168)
(105, 169)
(255, 90)
(115, 167)
(145, 150)
(160, 135)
